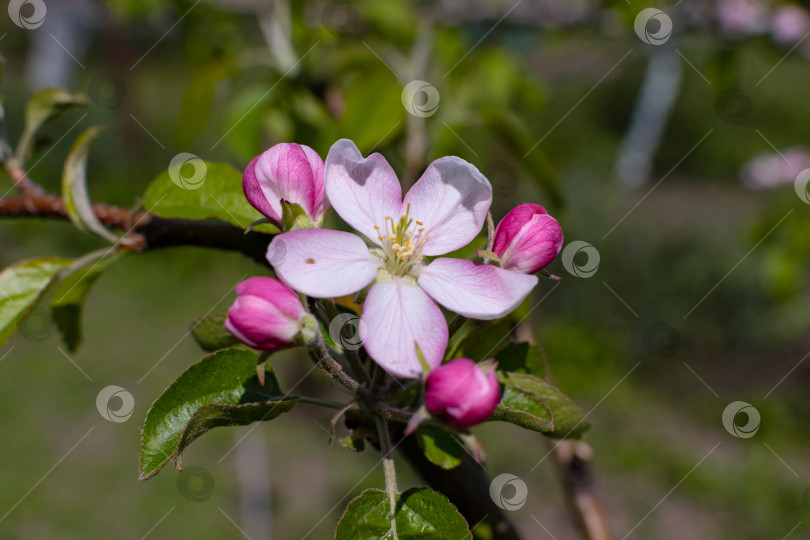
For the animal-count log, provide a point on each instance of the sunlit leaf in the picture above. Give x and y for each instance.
(21, 286)
(421, 514)
(222, 389)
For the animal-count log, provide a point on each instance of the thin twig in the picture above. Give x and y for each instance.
(390, 472)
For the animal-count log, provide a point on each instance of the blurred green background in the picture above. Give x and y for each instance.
(700, 298)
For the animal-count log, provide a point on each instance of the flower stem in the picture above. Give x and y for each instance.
(455, 324)
(331, 367)
(351, 354)
(321, 402)
(388, 467)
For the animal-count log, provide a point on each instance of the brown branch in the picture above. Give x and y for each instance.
(573, 462)
(150, 231)
(573, 458)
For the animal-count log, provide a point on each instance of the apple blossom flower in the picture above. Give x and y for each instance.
(462, 393)
(442, 212)
(286, 172)
(268, 316)
(527, 239)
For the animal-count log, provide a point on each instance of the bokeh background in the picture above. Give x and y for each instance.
(674, 152)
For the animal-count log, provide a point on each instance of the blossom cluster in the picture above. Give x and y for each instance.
(397, 263)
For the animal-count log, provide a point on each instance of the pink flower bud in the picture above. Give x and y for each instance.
(267, 315)
(461, 393)
(527, 239)
(289, 172)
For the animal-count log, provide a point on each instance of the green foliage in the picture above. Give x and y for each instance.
(479, 341)
(532, 403)
(222, 389)
(441, 446)
(69, 295)
(198, 99)
(74, 187)
(374, 114)
(21, 286)
(521, 358)
(210, 333)
(219, 196)
(42, 107)
(422, 514)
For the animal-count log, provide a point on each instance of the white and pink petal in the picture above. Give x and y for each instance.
(451, 200)
(363, 191)
(475, 290)
(398, 316)
(322, 263)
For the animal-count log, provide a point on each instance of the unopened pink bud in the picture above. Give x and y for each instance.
(286, 172)
(266, 315)
(462, 393)
(527, 239)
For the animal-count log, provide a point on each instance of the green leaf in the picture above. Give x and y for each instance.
(422, 514)
(43, 106)
(219, 197)
(210, 333)
(509, 129)
(69, 295)
(441, 446)
(533, 403)
(198, 99)
(478, 341)
(21, 286)
(74, 187)
(374, 114)
(522, 358)
(222, 389)
(524, 410)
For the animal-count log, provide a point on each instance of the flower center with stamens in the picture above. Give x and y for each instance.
(402, 242)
